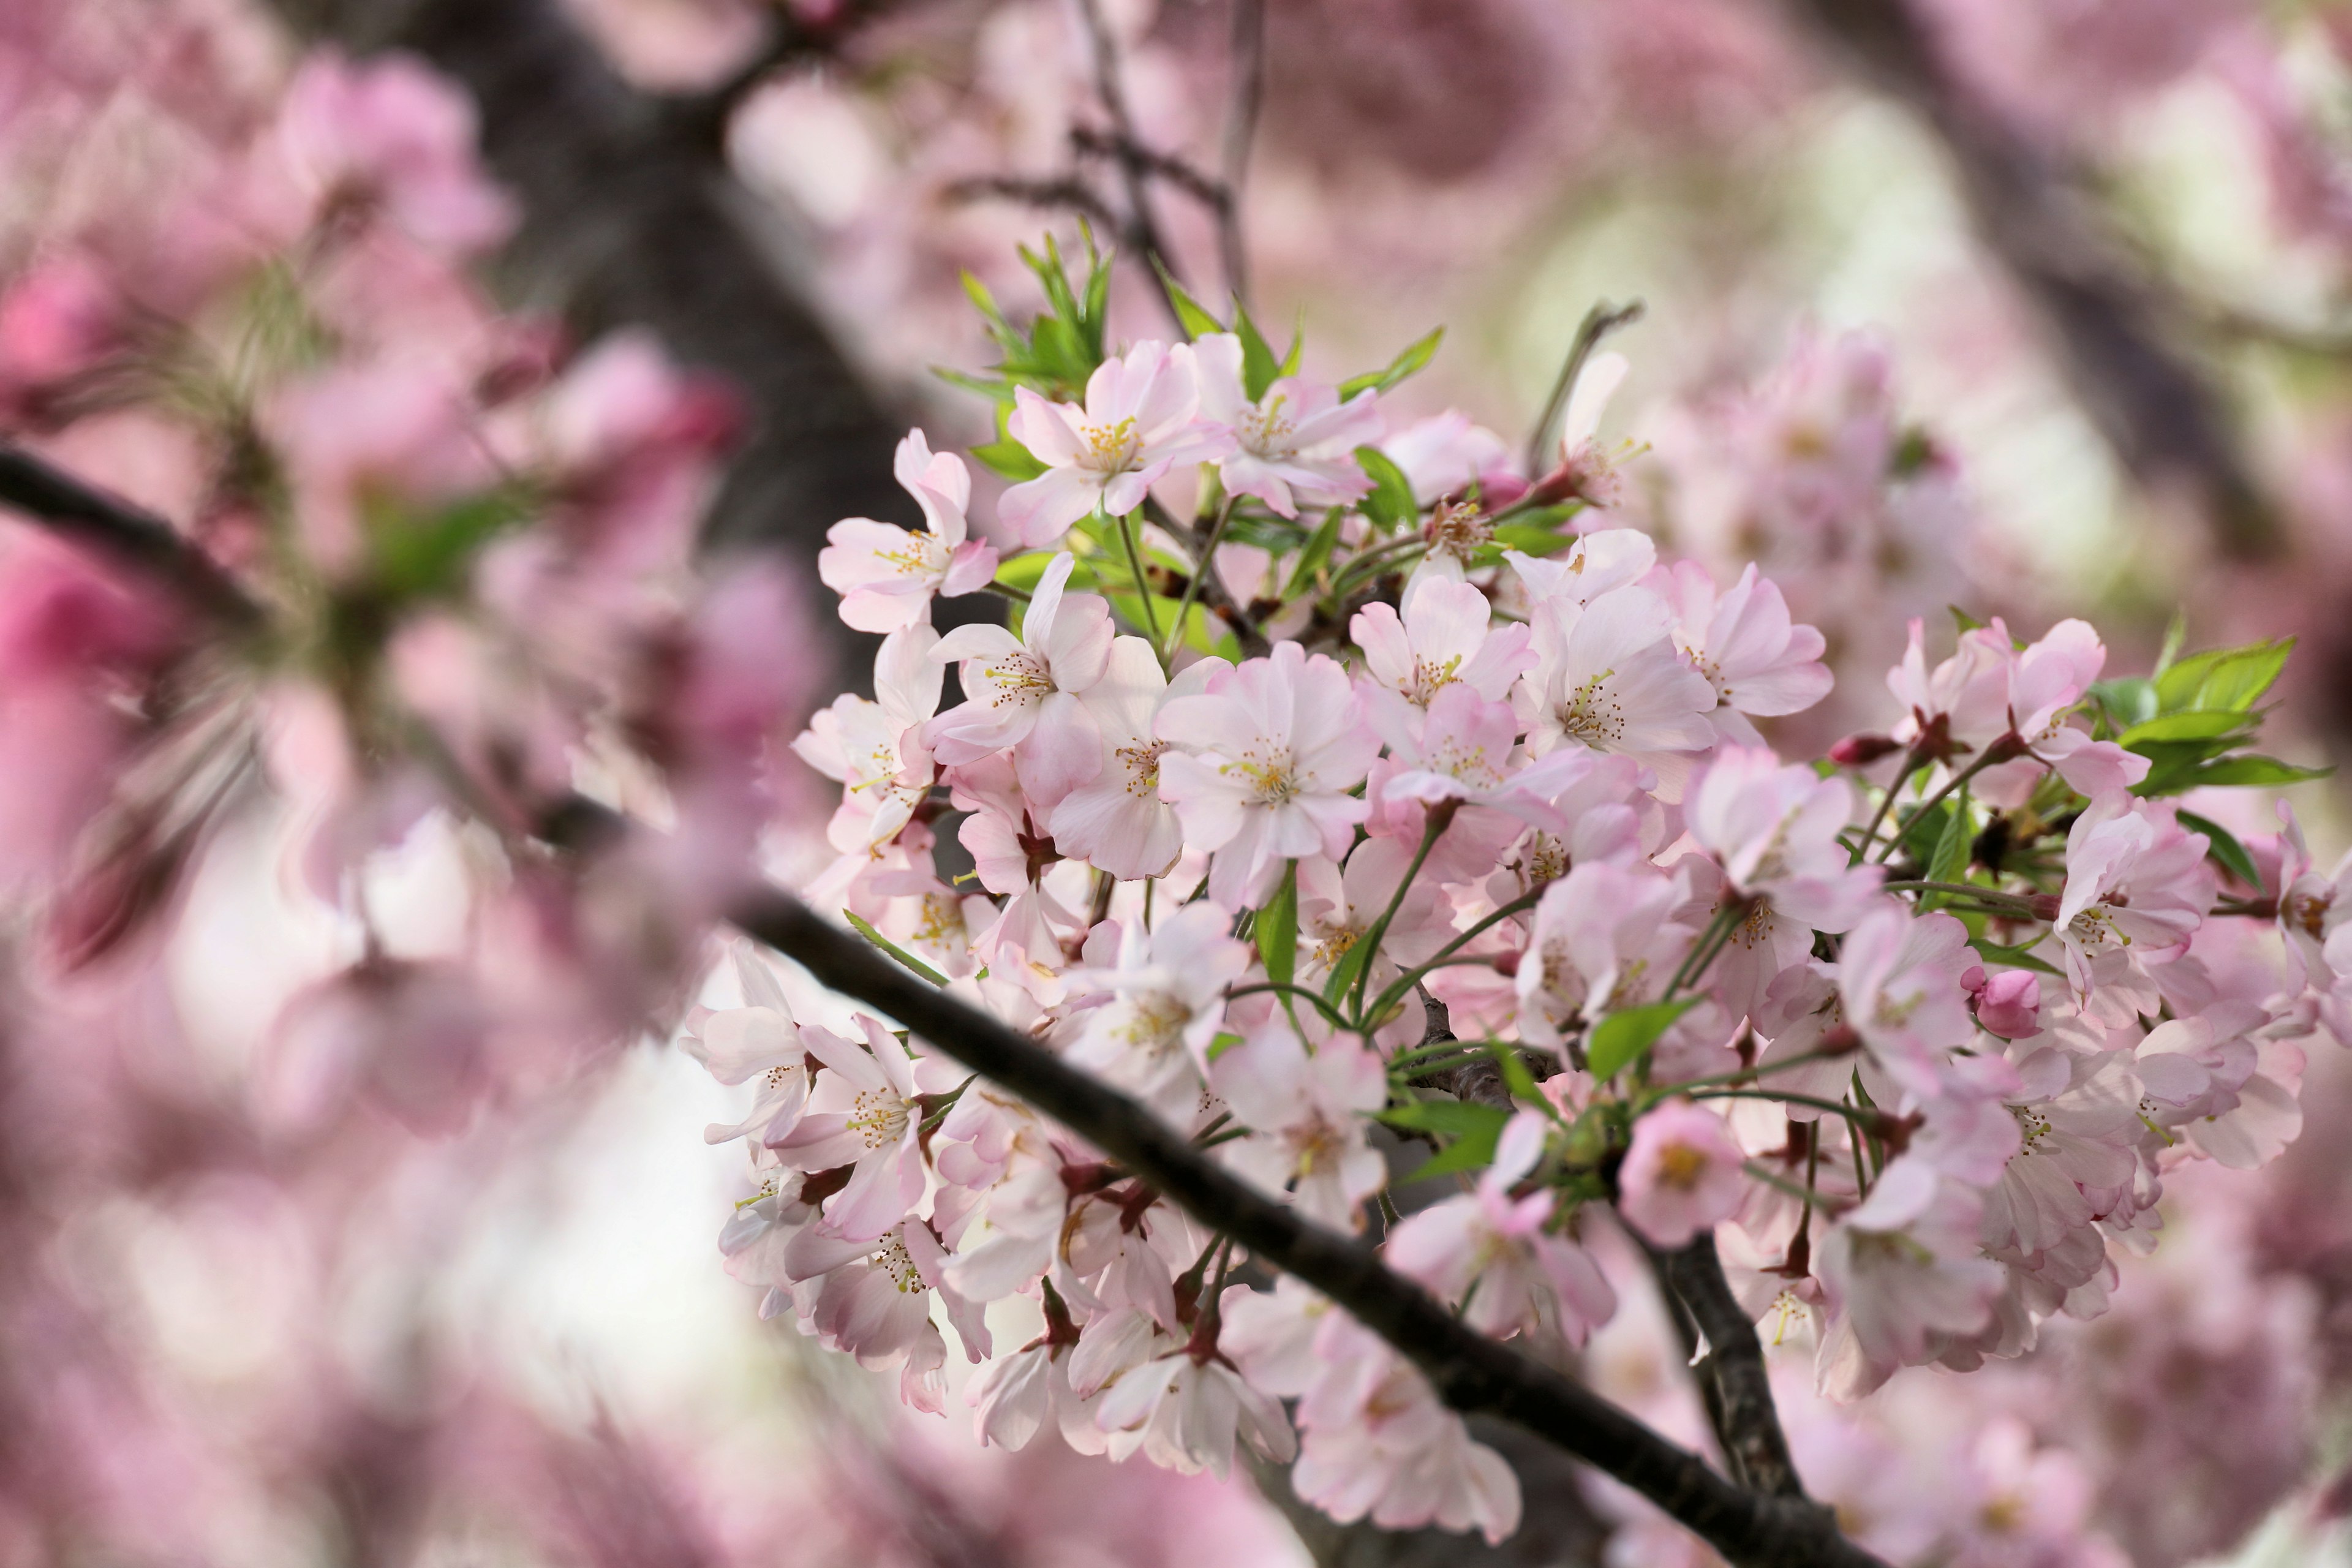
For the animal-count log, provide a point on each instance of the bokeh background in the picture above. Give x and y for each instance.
(2035, 307)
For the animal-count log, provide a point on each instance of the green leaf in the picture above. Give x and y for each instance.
(1290, 360)
(893, 949)
(1474, 1129)
(2251, 770)
(1259, 367)
(1316, 551)
(420, 555)
(1619, 1039)
(1343, 974)
(1403, 365)
(2224, 850)
(2190, 724)
(2015, 957)
(1391, 505)
(2176, 631)
(1963, 620)
(1278, 927)
(1222, 1044)
(1197, 322)
(1008, 458)
(1950, 861)
(1516, 1075)
(2128, 700)
(2232, 678)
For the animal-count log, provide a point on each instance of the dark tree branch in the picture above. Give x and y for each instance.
(2155, 408)
(124, 535)
(1166, 166)
(1070, 192)
(1143, 234)
(1732, 1378)
(1473, 1374)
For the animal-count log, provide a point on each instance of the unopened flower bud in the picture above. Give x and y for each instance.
(2008, 1003)
(1860, 751)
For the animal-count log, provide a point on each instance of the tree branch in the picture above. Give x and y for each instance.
(1737, 1390)
(125, 535)
(2165, 422)
(1143, 229)
(1246, 97)
(1473, 1374)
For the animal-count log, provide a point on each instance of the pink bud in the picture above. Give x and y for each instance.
(2009, 1003)
(1860, 751)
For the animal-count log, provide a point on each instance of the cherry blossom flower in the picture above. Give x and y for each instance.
(1760, 664)
(1603, 937)
(1118, 820)
(1022, 693)
(1446, 453)
(887, 576)
(1607, 677)
(1188, 1410)
(1497, 1251)
(2137, 886)
(1308, 1112)
(2045, 682)
(1168, 1005)
(1683, 1174)
(1297, 445)
(875, 748)
(1276, 744)
(1900, 1273)
(863, 1113)
(1446, 634)
(1140, 419)
(872, 1299)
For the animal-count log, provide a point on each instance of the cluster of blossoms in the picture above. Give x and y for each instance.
(1367, 797)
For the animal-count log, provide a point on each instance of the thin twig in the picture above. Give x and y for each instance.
(1599, 322)
(1142, 228)
(1067, 192)
(124, 535)
(1212, 586)
(1247, 97)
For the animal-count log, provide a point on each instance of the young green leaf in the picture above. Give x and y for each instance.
(1197, 322)
(1259, 367)
(1316, 551)
(893, 949)
(1278, 927)
(1620, 1039)
(1391, 505)
(1950, 861)
(1403, 365)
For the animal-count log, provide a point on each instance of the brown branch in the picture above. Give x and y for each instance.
(1069, 192)
(124, 535)
(1473, 1374)
(2155, 408)
(1732, 1377)
(1142, 231)
(1470, 1372)
(1246, 99)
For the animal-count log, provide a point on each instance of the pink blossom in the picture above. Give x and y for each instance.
(1498, 1251)
(1446, 454)
(874, 748)
(1775, 830)
(1607, 677)
(2045, 683)
(1168, 1003)
(1275, 745)
(1116, 820)
(389, 134)
(1447, 634)
(862, 1113)
(1683, 1174)
(1140, 419)
(1759, 662)
(1187, 1411)
(1308, 1115)
(1900, 1273)
(1023, 691)
(1295, 445)
(1603, 937)
(2137, 886)
(887, 576)
(2008, 1003)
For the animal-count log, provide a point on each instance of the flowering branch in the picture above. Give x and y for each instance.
(1472, 1373)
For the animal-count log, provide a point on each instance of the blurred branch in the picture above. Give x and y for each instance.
(1473, 1374)
(630, 218)
(1069, 192)
(1142, 231)
(1247, 97)
(791, 39)
(125, 534)
(1599, 322)
(2153, 406)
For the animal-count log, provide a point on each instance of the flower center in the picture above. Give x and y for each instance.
(1273, 775)
(1458, 530)
(1110, 449)
(899, 1265)
(1141, 760)
(1020, 679)
(1266, 431)
(878, 1118)
(1591, 714)
(1680, 1166)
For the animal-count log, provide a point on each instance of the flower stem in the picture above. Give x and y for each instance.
(1142, 584)
(1203, 563)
